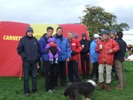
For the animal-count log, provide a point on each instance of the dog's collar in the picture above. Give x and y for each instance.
(92, 82)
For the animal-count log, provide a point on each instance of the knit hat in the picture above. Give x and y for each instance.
(51, 40)
(83, 35)
(29, 29)
(105, 32)
(96, 36)
(113, 31)
(75, 35)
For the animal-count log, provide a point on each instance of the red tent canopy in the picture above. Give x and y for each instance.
(10, 34)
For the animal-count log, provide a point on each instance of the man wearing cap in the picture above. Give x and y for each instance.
(85, 61)
(28, 49)
(94, 57)
(106, 48)
(119, 61)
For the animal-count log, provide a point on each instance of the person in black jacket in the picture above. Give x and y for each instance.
(28, 49)
(119, 61)
(85, 56)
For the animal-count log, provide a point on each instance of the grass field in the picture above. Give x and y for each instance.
(12, 89)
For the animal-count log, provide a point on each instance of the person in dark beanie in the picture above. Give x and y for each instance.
(28, 49)
(119, 61)
(75, 35)
(84, 54)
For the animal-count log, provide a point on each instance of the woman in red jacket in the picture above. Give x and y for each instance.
(76, 48)
(106, 48)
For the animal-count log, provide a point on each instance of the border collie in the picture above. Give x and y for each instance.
(84, 88)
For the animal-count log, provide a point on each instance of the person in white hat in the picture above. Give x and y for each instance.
(94, 57)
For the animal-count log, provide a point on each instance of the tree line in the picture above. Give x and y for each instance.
(96, 19)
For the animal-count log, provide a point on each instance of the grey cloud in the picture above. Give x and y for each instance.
(124, 15)
(53, 11)
(43, 11)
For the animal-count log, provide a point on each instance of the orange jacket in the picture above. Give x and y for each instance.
(75, 46)
(106, 54)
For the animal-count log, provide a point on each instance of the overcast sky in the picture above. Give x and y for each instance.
(61, 11)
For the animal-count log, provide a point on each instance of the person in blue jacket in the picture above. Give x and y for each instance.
(64, 56)
(94, 57)
(28, 49)
(50, 69)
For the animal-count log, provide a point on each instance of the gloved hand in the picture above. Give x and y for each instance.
(73, 53)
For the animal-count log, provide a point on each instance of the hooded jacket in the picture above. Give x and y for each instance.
(52, 46)
(105, 57)
(28, 49)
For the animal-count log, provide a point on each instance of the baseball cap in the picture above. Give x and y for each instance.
(96, 36)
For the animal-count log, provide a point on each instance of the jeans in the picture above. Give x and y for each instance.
(30, 68)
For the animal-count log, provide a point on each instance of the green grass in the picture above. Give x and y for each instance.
(12, 89)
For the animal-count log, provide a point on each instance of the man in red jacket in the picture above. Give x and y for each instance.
(106, 48)
(76, 48)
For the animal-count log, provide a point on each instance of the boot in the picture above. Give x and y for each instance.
(108, 87)
(101, 86)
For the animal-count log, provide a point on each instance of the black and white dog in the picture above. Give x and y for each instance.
(84, 88)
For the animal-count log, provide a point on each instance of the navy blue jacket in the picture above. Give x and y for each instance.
(64, 45)
(43, 51)
(28, 49)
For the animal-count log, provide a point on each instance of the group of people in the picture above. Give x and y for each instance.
(57, 52)
(111, 55)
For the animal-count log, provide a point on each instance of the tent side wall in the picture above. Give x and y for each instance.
(10, 34)
(75, 28)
